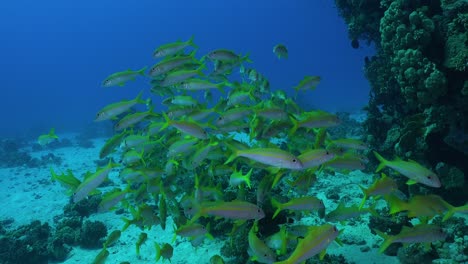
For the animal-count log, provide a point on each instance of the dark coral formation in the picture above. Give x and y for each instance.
(39, 243)
(419, 80)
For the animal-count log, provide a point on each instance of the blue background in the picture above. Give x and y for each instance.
(55, 54)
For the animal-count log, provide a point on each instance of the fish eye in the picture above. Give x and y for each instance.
(328, 153)
(429, 177)
(294, 160)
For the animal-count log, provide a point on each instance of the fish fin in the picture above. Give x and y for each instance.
(158, 251)
(295, 126)
(427, 247)
(277, 205)
(411, 182)
(449, 214)
(364, 191)
(191, 43)
(396, 205)
(142, 71)
(322, 254)
(383, 162)
(388, 240)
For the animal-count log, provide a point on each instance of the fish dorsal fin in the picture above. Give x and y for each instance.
(411, 182)
(405, 229)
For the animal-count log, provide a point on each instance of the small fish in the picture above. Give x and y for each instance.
(280, 51)
(92, 182)
(348, 161)
(165, 251)
(280, 240)
(177, 77)
(260, 252)
(201, 154)
(342, 213)
(191, 230)
(383, 186)
(172, 63)
(238, 210)
(303, 181)
(162, 208)
(411, 169)
(115, 109)
(111, 199)
(232, 115)
(181, 100)
(422, 233)
(348, 143)
(101, 257)
(67, 180)
(188, 127)
(141, 240)
(47, 138)
(182, 147)
(315, 157)
(120, 78)
(454, 210)
(193, 84)
(298, 204)
(111, 144)
(170, 49)
(308, 83)
(269, 156)
(226, 56)
(237, 178)
(314, 119)
(132, 119)
(264, 187)
(133, 157)
(315, 241)
(418, 205)
(112, 238)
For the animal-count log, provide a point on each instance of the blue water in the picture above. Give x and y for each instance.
(55, 54)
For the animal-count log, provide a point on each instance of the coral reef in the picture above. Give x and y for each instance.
(91, 234)
(419, 81)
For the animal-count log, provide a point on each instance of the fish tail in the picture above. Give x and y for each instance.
(199, 70)
(278, 205)
(142, 71)
(127, 223)
(191, 43)
(383, 162)
(53, 175)
(234, 155)
(247, 178)
(396, 205)
(221, 86)
(364, 191)
(295, 126)
(388, 240)
(52, 133)
(167, 122)
(138, 98)
(449, 213)
(158, 251)
(246, 58)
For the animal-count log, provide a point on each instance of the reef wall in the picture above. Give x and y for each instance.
(418, 104)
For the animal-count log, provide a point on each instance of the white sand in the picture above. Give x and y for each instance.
(29, 194)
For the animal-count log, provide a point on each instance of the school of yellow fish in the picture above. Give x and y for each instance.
(179, 163)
